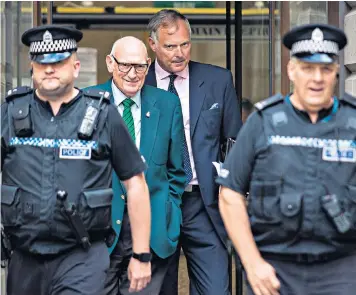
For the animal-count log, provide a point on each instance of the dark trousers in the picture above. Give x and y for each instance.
(75, 273)
(207, 257)
(117, 282)
(336, 277)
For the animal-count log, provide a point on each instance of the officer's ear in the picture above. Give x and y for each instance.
(110, 63)
(31, 69)
(291, 67)
(76, 64)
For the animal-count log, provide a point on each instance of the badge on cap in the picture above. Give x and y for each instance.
(317, 35)
(47, 37)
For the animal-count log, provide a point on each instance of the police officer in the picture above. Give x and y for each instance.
(59, 145)
(296, 157)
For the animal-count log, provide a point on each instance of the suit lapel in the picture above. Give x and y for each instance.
(107, 87)
(149, 123)
(151, 76)
(196, 96)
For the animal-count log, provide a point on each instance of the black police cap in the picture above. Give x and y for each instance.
(315, 43)
(51, 43)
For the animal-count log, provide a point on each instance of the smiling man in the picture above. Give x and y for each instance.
(154, 120)
(296, 158)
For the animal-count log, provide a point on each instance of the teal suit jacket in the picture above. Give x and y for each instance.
(161, 142)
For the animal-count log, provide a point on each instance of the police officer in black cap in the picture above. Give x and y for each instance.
(59, 146)
(296, 157)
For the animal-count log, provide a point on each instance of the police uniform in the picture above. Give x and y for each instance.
(301, 180)
(45, 157)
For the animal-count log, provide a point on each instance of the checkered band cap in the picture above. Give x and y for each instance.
(54, 46)
(312, 46)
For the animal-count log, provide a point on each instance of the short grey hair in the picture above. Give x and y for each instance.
(165, 18)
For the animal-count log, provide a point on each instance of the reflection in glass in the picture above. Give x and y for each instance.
(16, 17)
(255, 54)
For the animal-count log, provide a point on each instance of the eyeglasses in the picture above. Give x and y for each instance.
(126, 67)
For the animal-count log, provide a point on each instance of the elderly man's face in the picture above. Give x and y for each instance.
(314, 84)
(129, 67)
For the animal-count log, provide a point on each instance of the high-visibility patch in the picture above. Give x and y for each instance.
(311, 142)
(52, 142)
(340, 154)
(68, 152)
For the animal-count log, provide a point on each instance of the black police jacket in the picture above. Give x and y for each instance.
(297, 167)
(51, 157)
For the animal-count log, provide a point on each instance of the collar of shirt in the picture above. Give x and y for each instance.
(323, 113)
(119, 97)
(163, 74)
(64, 106)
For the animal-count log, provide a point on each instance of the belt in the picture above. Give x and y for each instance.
(305, 258)
(93, 238)
(192, 188)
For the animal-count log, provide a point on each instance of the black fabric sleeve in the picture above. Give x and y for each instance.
(232, 118)
(238, 166)
(126, 159)
(4, 132)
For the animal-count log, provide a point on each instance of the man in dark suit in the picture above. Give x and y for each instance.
(211, 116)
(156, 126)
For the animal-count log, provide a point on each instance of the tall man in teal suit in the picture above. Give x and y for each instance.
(154, 120)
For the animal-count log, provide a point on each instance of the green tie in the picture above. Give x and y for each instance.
(127, 116)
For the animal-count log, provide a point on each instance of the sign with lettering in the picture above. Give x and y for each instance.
(218, 32)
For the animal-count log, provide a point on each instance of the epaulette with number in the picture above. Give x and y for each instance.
(18, 92)
(268, 102)
(97, 94)
(349, 99)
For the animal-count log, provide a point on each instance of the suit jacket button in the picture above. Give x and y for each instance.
(118, 221)
(123, 197)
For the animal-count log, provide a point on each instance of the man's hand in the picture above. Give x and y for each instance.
(262, 278)
(139, 274)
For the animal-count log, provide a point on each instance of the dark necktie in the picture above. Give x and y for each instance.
(127, 117)
(187, 168)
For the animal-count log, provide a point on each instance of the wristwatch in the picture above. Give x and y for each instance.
(142, 257)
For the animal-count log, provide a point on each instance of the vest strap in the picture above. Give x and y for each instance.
(273, 100)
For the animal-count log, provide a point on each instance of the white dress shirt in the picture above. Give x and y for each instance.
(119, 97)
(181, 83)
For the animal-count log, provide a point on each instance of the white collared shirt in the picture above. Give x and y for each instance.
(181, 83)
(119, 97)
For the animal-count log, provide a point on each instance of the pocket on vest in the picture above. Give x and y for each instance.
(10, 209)
(272, 213)
(95, 208)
